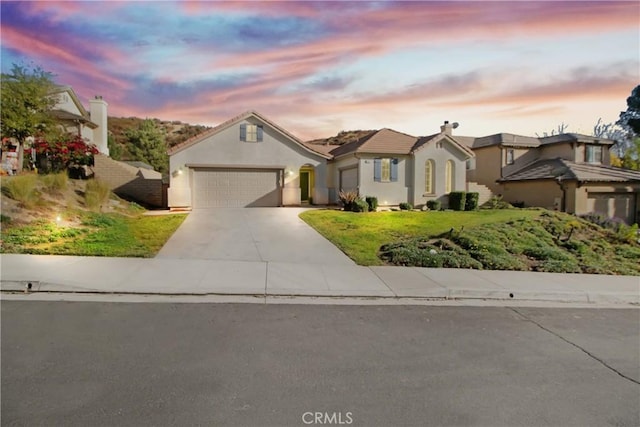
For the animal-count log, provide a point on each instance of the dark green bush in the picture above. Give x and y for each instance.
(404, 206)
(359, 206)
(457, 200)
(434, 205)
(471, 201)
(372, 202)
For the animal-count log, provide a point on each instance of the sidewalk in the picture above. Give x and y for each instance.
(205, 277)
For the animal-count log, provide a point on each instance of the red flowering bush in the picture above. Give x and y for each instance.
(63, 153)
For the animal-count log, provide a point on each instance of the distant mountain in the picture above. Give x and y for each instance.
(343, 137)
(175, 131)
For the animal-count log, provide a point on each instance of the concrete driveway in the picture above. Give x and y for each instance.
(251, 234)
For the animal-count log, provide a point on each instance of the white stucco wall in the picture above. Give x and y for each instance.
(388, 193)
(440, 154)
(225, 149)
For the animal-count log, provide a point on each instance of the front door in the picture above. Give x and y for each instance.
(304, 186)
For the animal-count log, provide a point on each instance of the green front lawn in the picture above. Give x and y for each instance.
(92, 234)
(360, 235)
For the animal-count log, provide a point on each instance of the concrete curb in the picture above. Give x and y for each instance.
(586, 298)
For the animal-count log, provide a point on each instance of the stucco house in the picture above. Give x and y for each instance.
(246, 161)
(396, 167)
(251, 161)
(567, 172)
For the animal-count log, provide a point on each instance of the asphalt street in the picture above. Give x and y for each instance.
(138, 364)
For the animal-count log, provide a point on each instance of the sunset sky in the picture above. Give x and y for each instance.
(317, 68)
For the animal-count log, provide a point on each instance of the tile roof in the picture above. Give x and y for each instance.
(384, 141)
(324, 149)
(571, 171)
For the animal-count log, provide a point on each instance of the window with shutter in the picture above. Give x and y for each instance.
(251, 133)
(385, 170)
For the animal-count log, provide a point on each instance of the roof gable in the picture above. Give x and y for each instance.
(217, 129)
(73, 99)
(432, 139)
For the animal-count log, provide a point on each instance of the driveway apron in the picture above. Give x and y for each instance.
(251, 234)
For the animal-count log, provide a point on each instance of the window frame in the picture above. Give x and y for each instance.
(449, 173)
(593, 149)
(429, 168)
(250, 132)
(510, 156)
(378, 168)
(385, 166)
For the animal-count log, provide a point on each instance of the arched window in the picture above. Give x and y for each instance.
(450, 176)
(428, 176)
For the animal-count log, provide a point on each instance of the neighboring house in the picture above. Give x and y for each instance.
(396, 167)
(136, 180)
(566, 172)
(71, 114)
(251, 161)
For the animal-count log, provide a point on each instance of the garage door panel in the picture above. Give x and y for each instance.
(232, 188)
(349, 179)
(612, 205)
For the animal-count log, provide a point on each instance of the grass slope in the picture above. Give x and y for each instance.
(360, 236)
(552, 242)
(51, 216)
(506, 239)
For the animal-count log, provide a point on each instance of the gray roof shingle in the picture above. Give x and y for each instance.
(567, 170)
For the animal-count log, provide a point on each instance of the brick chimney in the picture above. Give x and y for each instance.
(98, 112)
(447, 128)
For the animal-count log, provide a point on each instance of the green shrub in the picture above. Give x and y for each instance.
(471, 201)
(457, 200)
(359, 206)
(434, 205)
(559, 266)
(372, 202)
(4, 219)
(347, 198)
(96, 194)
(404, 206)
(21, 188)
(55, 182)
(496, 202)
(100, 220)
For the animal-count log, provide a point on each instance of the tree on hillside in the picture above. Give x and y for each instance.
(115, 149)
(147, 143)
(631, 157)
(630, 119)
(26, 104)
(613, 132)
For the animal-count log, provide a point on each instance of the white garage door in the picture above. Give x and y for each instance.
(612, 205)
(234, 188)
(349, 179)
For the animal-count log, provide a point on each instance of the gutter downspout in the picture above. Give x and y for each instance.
(563, 188)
